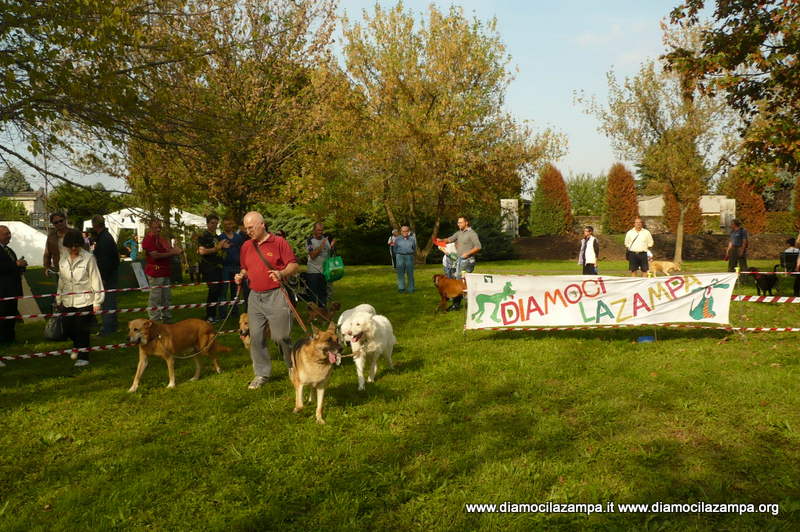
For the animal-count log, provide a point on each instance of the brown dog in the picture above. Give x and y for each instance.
(312, 364)
(244, 330)
(166, 341)
(448, 288)
(315, 312)
(664, 267)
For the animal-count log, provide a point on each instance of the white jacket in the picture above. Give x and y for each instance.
(80, 275)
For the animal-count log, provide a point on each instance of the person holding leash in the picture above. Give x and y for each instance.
(266, 260)
(467, 246)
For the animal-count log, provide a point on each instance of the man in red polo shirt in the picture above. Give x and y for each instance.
(157, 268)
(266, 303)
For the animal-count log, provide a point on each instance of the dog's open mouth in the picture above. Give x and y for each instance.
(334, 357)
(134, 340)
(357, 337)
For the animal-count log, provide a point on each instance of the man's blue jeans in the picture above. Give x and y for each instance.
(405, 267)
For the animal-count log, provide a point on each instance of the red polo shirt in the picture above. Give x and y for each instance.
(156, 267)
(276, 250)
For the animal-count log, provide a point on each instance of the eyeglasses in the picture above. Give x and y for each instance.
(56, 222)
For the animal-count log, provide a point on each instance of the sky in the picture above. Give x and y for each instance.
(557, 48)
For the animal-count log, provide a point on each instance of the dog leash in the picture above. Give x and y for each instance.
(219, 330)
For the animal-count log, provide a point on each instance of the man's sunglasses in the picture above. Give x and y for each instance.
(56, 222)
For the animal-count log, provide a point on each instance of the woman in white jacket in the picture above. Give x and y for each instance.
(80, 289)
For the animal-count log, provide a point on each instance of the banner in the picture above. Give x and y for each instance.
(561, 300)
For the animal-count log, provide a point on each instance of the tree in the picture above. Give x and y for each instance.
(683, 138)
(693, 216)
(80, 203)
(622, 205)
(587, 194)
(77, 72)
(750, 208)
(796, 201)
(11, 210)
(14, 181)
(551, 210)
(416, 126)
(251, 104)
(750, 54)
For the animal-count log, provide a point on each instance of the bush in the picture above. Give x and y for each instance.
(781, 222)
(12, 211)
(495, 244)
(551, 210)
(622, 206)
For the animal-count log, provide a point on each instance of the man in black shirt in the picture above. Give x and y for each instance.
(11, 269)
(211, 262)
(106, 254)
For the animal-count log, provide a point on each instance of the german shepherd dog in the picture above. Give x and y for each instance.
(312, 364)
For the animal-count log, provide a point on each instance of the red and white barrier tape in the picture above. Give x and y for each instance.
(766, 299)
(668, 325)
(58, 352)
(120, 310)
(134, 289)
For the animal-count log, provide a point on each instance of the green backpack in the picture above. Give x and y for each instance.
(333, 268)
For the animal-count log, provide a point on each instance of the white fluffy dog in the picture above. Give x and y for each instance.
(344, 316)
(370, 337)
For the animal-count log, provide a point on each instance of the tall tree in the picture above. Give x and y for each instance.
(749, 53)
(11, 210)
(622, 205)
(693, 216)
(742, 185)
(251, 102)
(587, 194)
(80, 203)
(14, 181)
(78, 71)
(417, 126)
(551, 210)
(656, 115)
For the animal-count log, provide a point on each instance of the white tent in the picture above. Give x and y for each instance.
(26, 242)
(134, 219)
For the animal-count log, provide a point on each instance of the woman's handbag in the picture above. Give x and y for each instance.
(333, 268)
(54, 329)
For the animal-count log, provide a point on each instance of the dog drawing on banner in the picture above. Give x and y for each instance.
(495, 299)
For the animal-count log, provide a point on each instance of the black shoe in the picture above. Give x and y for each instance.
(451, 308)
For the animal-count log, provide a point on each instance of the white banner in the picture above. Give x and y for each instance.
(561, 300)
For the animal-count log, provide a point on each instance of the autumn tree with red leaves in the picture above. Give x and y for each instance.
(622, 206)
(551, 210)
(750, 209)
(693, 217)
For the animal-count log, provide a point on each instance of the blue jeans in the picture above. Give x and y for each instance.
(464, 266)
(405, 266)
(318, 287)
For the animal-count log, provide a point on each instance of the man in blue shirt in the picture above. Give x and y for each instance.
(736, 254)
(231, 242)
(405, 247)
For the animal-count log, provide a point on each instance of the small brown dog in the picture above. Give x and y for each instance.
(448, 288)
(166, 341)
(664, 267)
(312, 364)
(315, 312)
(244, 330)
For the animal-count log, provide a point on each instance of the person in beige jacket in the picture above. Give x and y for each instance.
(80, 289)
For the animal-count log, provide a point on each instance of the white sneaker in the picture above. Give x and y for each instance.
(81, 363)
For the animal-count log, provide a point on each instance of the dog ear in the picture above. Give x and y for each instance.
(331, 327)
(314, 329)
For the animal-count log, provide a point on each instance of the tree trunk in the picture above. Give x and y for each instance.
(678, 257)
(422, 254)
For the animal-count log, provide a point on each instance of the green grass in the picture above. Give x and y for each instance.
(569, 417)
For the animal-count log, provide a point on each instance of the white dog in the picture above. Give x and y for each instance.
(344, 316)
(370, 337)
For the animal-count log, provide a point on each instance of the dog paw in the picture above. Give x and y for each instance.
(297, 409)
(132, 389)
(320, 421)
(171, 385)
(195, 379)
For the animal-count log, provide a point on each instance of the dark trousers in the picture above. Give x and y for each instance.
(735, 260)
(110, 324)
(215, 292)
(590, 269)
(76, 328)
(318, 287)
(8, 327)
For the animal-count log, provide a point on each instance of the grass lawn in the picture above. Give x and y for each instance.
(486, 417)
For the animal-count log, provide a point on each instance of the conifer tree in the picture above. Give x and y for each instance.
(750, 207)
(693, 217)
(621, 203)
(551, 210)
